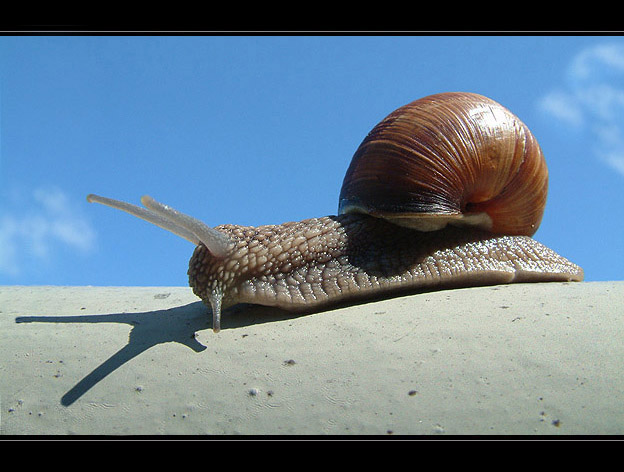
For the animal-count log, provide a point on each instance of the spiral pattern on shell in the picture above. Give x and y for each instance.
(450, 158)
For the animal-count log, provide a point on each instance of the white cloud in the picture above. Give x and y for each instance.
(591, 62)
(562, 106)
(616, 161)
(603, 101)
(33, 226)
(593, 99)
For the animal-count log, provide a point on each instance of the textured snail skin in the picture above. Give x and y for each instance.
(320, 261)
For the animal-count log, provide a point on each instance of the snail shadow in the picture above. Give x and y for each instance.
(151, 328)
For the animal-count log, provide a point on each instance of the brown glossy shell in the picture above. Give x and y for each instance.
(451, 158)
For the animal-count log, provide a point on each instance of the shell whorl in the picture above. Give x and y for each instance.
(458, 158)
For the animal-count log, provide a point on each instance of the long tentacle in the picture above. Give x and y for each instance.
(147, 215)
(172, 220)
(217, 243)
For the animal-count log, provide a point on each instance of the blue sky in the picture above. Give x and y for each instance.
(257, 130)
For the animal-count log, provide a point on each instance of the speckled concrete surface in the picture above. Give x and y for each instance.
(542, 358)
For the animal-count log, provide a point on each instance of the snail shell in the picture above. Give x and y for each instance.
(450, 158)
(444, 192)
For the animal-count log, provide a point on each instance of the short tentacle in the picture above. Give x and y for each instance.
(216, 296)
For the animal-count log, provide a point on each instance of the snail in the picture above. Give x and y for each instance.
(444, 192)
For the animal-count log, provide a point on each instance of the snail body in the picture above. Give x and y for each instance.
(444, 192)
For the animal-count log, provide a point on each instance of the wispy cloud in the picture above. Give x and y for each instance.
(35, 224)
(592, 99)
(564, 107)
(596, 60)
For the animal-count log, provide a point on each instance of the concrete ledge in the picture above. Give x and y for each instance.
(510, 359)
